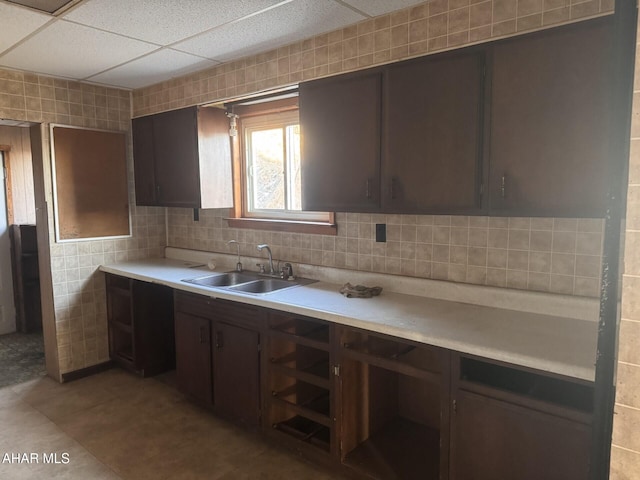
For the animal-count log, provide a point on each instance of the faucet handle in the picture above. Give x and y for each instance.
(287, 271)
(261, 267)
(237, 244)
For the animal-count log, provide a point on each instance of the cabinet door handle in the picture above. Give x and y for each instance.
(503, 186)
(158, 191)
(219, 340)
(202, 335)
(368, 188)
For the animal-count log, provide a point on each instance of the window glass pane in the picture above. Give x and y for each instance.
(267, 169)
(272, 186)
(293, 164)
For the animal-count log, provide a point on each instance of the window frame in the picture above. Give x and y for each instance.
(253, 114)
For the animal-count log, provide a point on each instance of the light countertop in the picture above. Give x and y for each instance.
(557, 344)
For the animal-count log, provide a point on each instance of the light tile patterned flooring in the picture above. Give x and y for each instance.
(114, 425)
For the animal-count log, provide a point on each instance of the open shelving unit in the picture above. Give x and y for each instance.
(141, 325)
(299, 379)
(394, 406)
(120, 311)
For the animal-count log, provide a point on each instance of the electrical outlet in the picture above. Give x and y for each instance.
(381, 232)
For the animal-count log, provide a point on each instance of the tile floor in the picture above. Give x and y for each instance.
(21, 357)
(114, 425)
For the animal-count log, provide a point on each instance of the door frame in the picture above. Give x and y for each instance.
(4, 164)
(6, 155)
(38, 136)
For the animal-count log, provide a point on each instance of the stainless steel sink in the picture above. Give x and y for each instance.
(222, 279)
(266, 285)
(246, 282)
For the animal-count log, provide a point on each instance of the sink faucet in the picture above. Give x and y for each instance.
(272, 270)
(238, 265)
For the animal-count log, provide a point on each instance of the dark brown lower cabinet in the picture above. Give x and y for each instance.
(193, 357)
(516, 424)
(380, 406)
(218, 355)
(394, 407)
(140, 321)
(236, 373)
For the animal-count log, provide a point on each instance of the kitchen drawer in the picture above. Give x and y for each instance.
(247, 316)
(193, 304)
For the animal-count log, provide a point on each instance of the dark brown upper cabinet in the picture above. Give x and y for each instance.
(401, 139)
(432, 160)
(549, 122)
(341, 126)
(182, 158)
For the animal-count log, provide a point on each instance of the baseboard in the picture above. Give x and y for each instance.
(86, 372)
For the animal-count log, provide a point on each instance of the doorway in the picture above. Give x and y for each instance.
(7, 307)
(21, 346)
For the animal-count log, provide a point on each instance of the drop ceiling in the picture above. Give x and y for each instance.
(136, 43)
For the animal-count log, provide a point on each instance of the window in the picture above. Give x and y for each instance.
(267, 170)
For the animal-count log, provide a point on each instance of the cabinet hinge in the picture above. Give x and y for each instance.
(455, 406)
(336, 370)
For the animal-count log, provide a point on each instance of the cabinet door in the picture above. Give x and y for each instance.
(153, 327)
(176, 158)
(193, 357)
(494, 439)
(549, 139)
(236, 377)
(143, 161)
(340, 119)
(433, 133)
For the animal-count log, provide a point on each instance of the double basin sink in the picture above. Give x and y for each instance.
(246, 282)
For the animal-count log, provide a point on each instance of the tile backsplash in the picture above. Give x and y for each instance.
(422, 29)
(543, 254)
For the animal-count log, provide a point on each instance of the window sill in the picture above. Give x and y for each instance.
(284, 225)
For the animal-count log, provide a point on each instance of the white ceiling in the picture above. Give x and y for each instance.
(135, 43)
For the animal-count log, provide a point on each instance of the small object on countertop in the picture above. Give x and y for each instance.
(359, 291)
(211, 264)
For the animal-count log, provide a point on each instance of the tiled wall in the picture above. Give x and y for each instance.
(79, 296)
(426, 28)
(554, 255)
(625, 454)
(543, 254)
(429, 27)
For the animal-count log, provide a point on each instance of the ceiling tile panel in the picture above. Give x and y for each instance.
(18, 22)
(73, 51)
(49, 6)
(154, 68)
(380, 7)
(163, 21)
(279, 26)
